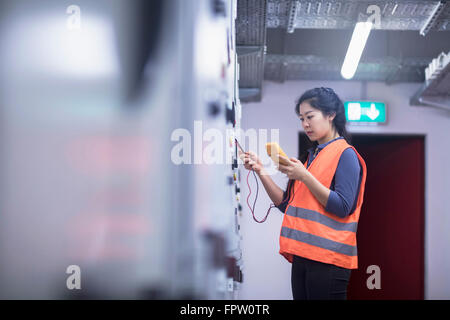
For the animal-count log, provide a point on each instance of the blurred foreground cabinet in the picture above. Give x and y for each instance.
(117, 154)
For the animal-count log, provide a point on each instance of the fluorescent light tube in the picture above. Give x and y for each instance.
(355, 49)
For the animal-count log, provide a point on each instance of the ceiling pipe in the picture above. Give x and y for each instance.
(431, 21)
(295, 6)
(435, 104)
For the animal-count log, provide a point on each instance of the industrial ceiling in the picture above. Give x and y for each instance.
(282, 40)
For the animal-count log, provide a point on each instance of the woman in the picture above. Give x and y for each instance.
(322, 202)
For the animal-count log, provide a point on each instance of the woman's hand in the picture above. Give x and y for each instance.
(252, 162)
(293, 168)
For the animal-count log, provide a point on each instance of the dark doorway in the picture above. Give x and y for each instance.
(391, 225)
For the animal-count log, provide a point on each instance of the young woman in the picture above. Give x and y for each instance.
(322, 201)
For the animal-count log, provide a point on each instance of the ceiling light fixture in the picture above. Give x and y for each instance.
(355, 49)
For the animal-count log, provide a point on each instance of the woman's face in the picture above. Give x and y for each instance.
(317, 126)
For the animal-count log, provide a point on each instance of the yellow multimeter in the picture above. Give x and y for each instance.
(274, 150)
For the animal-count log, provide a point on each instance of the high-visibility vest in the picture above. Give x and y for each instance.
(311, 232)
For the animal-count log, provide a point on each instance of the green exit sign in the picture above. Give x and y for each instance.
(365, 111)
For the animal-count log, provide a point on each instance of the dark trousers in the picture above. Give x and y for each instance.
(314, 280)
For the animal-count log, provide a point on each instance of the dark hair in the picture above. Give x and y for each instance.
(328, 102)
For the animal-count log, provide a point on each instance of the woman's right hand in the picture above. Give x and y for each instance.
(252, 162)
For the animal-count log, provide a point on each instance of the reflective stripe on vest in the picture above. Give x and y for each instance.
(318, 241)
(320, 218)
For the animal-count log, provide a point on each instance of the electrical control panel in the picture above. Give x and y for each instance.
(119, 169)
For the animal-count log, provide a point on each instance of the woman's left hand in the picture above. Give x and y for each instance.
(293, 168)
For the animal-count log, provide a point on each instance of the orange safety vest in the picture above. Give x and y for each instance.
(313, 233)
